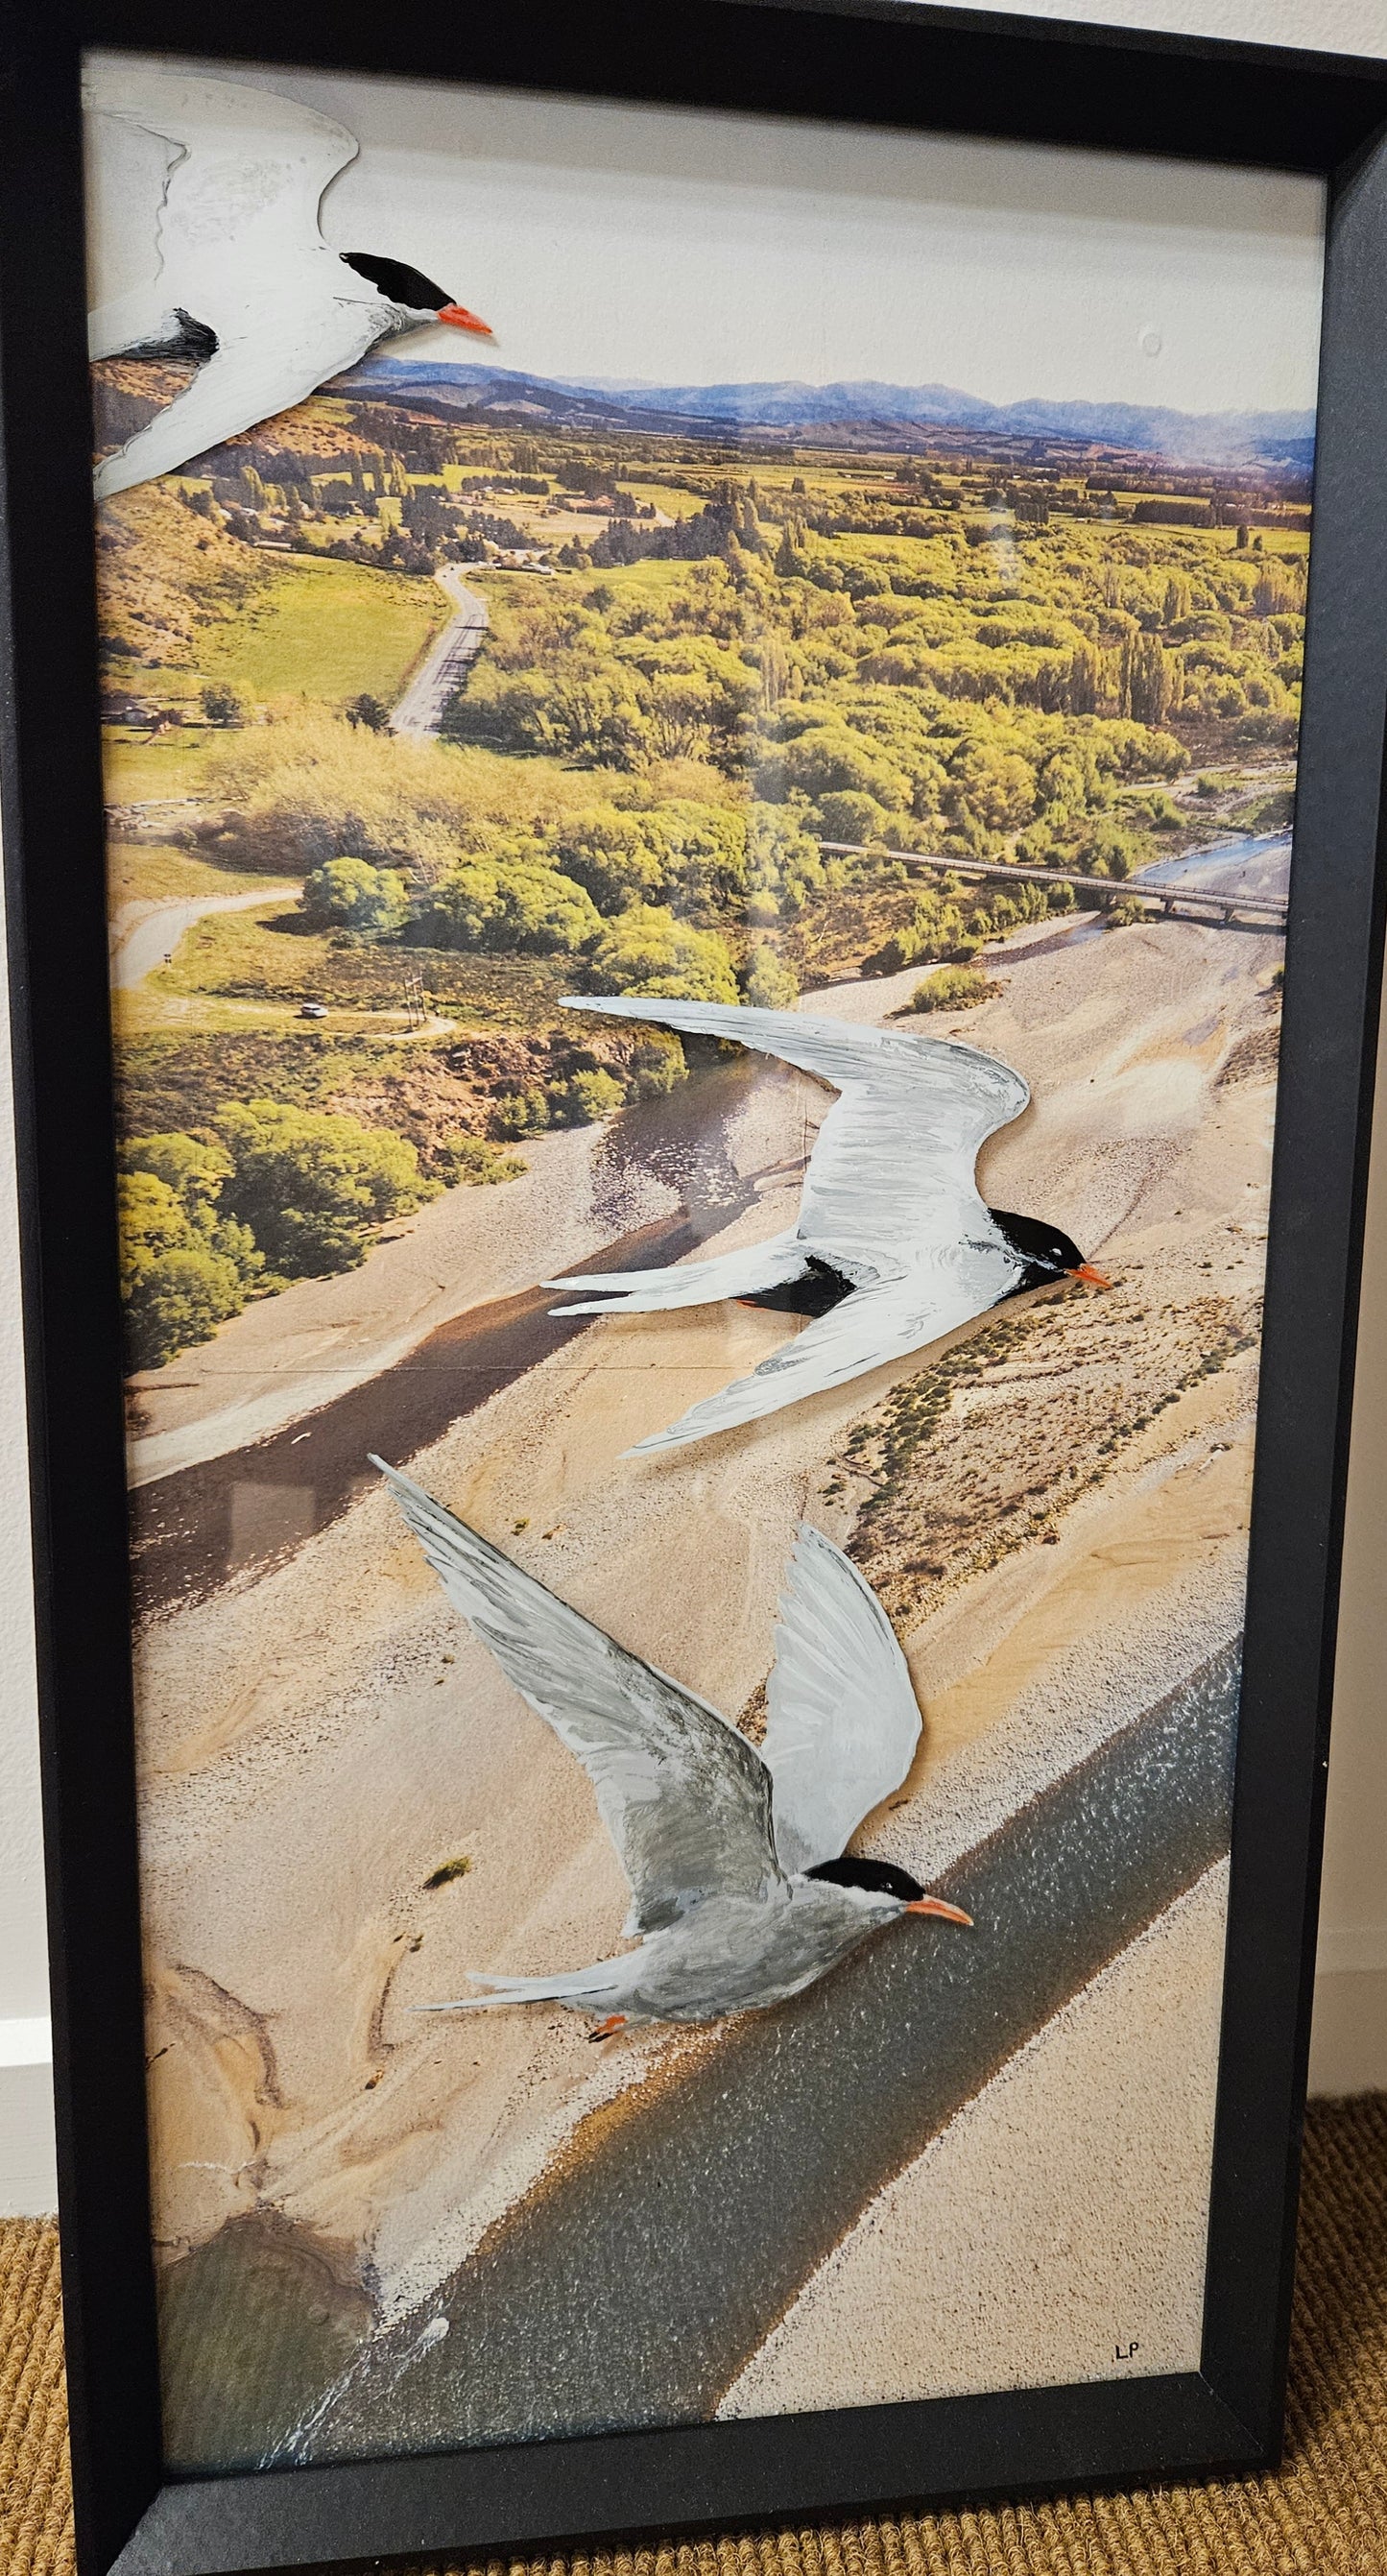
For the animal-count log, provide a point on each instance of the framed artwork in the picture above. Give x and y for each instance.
(693, 838)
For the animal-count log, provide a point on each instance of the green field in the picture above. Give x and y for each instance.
(136, 768)
(675, 504)
(157, 872)
(326, 630)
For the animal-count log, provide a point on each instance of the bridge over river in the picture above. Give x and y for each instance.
(1187, 888)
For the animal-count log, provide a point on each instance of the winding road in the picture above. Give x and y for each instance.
(138, 947)
(445, 666)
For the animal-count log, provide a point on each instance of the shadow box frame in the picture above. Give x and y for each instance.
(889, 63)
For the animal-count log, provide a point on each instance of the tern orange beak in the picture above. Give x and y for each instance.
(946, 1913)
(1095, 1278)
(462, 320)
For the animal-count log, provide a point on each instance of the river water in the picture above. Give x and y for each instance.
(228, 1515)
(1256, 864)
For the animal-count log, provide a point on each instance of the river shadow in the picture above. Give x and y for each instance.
(192, 1530)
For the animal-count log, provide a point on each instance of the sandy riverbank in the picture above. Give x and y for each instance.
(286, 1354)
(318, 1741)
(1020, 2250)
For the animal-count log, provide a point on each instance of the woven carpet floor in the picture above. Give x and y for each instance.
(1325, 2512)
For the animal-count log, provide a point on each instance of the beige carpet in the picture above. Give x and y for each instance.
(1325, 2513)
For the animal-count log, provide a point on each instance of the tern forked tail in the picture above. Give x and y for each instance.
(586, 1988)
(692, 1283)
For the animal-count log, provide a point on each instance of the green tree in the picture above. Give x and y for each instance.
(1150, 680)
(370, 712)
(188, 1165)
(173, 1298)
(830, 759)
(350, 894)
(683, 853)
(586, 1098)
(1085, 680)
(657, 1065)
(222, 706)
(616, 858)
(522, 1113)
(847, 815)
(511, 906)
(312, 1185)
(646, 950)
(184, 1266)
(771, 985)
(1109, 851)
(463, 1159)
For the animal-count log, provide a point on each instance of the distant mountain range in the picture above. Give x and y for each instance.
(1274, 438)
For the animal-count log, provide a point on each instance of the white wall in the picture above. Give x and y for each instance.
(1350, 2049)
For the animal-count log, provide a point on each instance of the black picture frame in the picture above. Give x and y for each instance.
(885, 62)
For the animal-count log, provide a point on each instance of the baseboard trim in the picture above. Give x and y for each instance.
(28, 2176)
(1348, 2044)
(29, 2040)
(1348, 2054)
(1351, 1947)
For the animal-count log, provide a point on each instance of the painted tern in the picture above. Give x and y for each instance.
(893, 1246)
(246, 284)
(740, 1887)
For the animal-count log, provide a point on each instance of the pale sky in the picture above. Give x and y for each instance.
(692, 247)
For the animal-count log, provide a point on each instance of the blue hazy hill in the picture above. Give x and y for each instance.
(1192, 438)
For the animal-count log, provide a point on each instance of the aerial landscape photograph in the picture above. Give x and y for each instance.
(700, 764)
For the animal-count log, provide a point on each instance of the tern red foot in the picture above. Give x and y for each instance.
(604, 2030)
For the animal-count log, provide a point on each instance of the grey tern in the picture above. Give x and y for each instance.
(893, 1247)
(741, 1891)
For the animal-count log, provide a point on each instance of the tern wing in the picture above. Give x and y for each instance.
(294, 342)
(250, 175)
(882, 1322)
(892, 1172)
(685, 1798)
(844, 1722)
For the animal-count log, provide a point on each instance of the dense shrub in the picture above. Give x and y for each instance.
(585, 1098)
(646, 950)
(953, 988)
(469, 1159)
(185, 1267)
(770, 984)
(311, 1185)
(350, 894)
(509, 904)
(293, 795)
